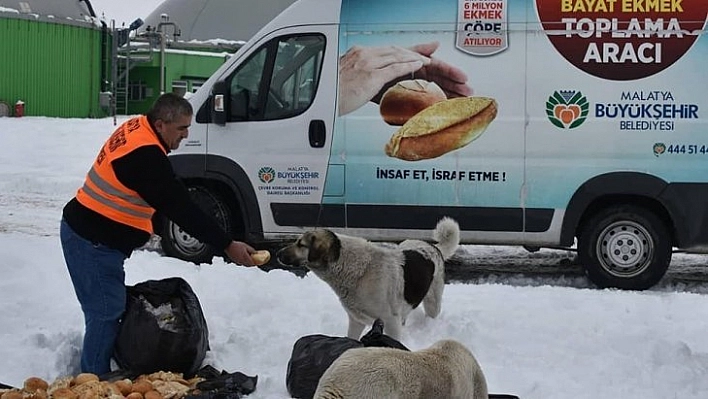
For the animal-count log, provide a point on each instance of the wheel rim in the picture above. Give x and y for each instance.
(184, 242)
(625, 249)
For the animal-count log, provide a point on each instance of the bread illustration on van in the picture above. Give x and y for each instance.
(406, 98)
(442, 127)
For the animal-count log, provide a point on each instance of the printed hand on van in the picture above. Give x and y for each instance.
(450, 78)
(366, 72)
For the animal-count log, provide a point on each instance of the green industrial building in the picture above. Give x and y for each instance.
(185, 66)
(60, 60)
(53, 58)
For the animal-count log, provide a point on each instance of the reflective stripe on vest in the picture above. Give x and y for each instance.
(106, 187)
(103, 193)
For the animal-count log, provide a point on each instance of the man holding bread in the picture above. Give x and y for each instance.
(111, 215)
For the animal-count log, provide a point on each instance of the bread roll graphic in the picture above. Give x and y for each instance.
(443, 127)
(408, 97)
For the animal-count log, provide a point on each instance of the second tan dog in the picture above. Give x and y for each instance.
(445, 370)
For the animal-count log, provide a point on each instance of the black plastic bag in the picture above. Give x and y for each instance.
(222, 385)
(313, 354)
(376, 337)
(163, 329)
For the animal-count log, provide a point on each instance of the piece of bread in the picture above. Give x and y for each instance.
(88, 388)
(153, 395)
(84, 378)
(125, 386)
(110, 389)
(260, 257)
(12, 395)
(64, 393)
(32, 384)
(408, 97)
(38, 394)
(143, 386)
(443, 127)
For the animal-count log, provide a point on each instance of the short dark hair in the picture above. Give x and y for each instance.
(167, 107)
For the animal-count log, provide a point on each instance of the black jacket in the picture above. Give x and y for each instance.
(148, 171)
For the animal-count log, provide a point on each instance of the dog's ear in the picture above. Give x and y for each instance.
(335, 247)
(324, 247)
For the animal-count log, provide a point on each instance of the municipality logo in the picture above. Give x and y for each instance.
(266, 174)
(659, 148)
(567, 109)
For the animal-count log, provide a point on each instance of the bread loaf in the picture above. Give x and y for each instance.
(142, 386)
(84, 378)
(64, 393)
(153, 395)
(12, 395)
(443, 127)
(33, 384)
(125, 386)
(260, 257)
(408, 97)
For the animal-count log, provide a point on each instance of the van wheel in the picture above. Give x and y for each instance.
(177, 243)
(627, 247)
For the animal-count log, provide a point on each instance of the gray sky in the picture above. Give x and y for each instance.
(126, 10)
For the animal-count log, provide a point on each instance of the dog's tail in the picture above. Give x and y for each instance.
(447, 235)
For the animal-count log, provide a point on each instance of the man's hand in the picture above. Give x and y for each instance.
(363, 71)
(450, 78)
(366, 72)
(240, 253)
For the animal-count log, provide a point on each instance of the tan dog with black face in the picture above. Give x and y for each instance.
(378, 280)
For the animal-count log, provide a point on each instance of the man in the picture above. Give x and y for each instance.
(111, 215)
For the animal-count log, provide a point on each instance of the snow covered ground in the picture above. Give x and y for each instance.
(539, 338)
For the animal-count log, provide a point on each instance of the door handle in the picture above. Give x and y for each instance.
(318, 133)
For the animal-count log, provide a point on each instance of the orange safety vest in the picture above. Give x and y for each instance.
(103, 193)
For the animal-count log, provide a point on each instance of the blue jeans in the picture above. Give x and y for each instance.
(99, 281)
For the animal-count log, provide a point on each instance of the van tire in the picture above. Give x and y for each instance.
(177, 243)
(626, 247)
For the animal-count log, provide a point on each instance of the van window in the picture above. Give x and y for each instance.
(279, 80)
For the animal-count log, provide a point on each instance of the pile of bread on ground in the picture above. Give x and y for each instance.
(160, 385)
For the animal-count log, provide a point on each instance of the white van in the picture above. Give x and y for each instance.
(595, 132)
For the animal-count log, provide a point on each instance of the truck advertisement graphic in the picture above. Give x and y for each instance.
(622, 39)
(562, 80)
(565, 123)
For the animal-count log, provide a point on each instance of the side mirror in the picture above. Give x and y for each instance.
(220, 103)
